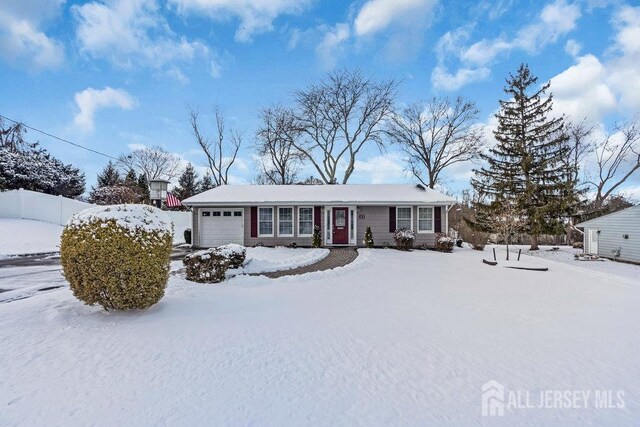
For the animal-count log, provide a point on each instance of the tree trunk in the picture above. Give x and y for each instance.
(534, 243)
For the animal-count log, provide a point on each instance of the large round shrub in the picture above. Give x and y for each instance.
(117, 256)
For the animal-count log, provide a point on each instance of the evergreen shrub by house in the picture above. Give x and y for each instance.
(117, 256)
(368, 238)
(317, 237)
(211, 265)
(404, 239)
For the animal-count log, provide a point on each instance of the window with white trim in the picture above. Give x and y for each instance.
(285, 221)
(425, 220)
(305, 222)
(265, 222)
(403, 218)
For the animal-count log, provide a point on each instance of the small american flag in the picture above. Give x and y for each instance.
(172, 201)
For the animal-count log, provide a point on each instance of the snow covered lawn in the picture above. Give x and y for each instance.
(24, 236)
(392, 339)
(263, 260)
(565, 254)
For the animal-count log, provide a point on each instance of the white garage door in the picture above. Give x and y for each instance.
(221, 226)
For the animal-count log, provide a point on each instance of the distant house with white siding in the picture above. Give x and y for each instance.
(616, 235)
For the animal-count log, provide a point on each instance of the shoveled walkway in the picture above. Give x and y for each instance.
(338, 257)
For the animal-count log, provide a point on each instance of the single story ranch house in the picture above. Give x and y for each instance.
(276, 215)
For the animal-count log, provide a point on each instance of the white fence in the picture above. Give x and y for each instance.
(27, 204)
(38, 206)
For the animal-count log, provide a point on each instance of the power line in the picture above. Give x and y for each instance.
(58, 138)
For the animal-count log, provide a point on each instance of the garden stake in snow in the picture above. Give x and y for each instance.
(519, 252)
(494, 254)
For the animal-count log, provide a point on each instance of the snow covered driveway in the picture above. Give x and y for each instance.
(393, 338)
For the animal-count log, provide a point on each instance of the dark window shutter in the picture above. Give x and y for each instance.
(392, 219)
(437, 219)
(317, 216)
(254, 221)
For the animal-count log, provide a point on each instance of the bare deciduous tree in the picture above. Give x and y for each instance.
(338, 117)
(12, 136)
(221, 154)
(280, 161)
(617, 159)
(579, 147)
(435, 135)
(153, 162)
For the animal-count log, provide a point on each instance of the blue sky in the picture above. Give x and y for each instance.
(114, 74)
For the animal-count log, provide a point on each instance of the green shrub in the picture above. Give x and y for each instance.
(317, 237)
(117, 256)
(211, 265)
(368, 238)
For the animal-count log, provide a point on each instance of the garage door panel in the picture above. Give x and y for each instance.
(220, 230)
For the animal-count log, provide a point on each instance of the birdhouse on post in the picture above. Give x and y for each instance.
(158, 191)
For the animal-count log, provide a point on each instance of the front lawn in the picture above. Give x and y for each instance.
(393, 338)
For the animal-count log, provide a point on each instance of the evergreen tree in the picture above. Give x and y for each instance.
(187, 183)
(523, 171)
(143, 189)
(109, 177)
(33, 168)
(131, 179)
(207, 183)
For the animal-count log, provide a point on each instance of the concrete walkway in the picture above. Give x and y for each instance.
(338, 257)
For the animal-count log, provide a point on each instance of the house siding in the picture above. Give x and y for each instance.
(377, 217)
(612, 228)
(276, 240)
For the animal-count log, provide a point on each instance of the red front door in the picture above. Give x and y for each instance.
(340, 226)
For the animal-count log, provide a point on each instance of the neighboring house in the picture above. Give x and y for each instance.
(616, 235)
(284, 214)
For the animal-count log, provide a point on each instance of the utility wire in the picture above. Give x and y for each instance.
(58, 138)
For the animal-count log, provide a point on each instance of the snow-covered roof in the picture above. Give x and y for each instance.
(628, 214)
(360, 194)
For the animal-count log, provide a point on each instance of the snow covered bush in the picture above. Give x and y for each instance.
(117, 256)
(404, 239)
(115, 195)
(368, 238)
(317, 237)
(444, 243)
(211, 265)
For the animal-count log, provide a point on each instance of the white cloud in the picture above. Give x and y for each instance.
(378, 15)
(572, 47)
(381, 169)
(582, 91)
(256, 16)
(593, 87)
(331, 45)
(90, 100)
(132, 33)
(403, 21)
(22, 38)
(554, 21)
(443, 79)
(624, 74)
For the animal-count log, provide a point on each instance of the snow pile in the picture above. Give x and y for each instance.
(129, 217)
(23, 237)
(264, 260)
